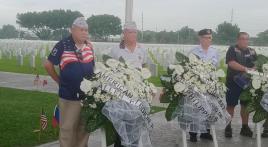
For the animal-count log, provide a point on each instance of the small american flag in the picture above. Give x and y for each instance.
(43, 120)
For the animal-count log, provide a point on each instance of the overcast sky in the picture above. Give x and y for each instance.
(250, 15)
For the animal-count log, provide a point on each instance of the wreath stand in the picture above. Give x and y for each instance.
(184, 139)
(103, 138)
(258, 127)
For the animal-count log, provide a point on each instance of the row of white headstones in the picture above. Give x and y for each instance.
(36, 49)
(163, 54)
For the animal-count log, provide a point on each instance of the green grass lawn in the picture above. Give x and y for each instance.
(11, 65)
(19, 117)
(156, 109)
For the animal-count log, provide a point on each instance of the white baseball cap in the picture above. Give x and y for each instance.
(80, 22)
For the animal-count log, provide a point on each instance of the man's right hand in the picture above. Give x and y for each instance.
(51, 71)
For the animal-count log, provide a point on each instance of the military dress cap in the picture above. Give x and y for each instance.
(205, 32)
(80, 22)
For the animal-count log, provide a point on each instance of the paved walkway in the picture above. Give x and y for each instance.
(26, 82)
(164, 134)
(167, 134)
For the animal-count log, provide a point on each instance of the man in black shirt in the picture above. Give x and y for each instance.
(239, 58)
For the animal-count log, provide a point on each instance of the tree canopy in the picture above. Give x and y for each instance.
(48, 25)
(102, 26)
(226, 33)
(8, 31)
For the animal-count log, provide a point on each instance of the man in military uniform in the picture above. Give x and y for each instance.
(209, 54)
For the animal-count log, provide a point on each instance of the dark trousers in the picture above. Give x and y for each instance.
(192, 134)
(117, 141)
(265, 125)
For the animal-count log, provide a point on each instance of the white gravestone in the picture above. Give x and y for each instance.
(154, 69)
(42, 53)
(20, 59)
(32, 61)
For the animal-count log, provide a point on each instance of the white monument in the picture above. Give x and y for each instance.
(129, 11)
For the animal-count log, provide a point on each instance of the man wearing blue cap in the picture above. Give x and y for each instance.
(74, 55)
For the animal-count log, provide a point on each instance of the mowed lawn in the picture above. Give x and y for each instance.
(11, 65)
(20, 114)
(19, 117)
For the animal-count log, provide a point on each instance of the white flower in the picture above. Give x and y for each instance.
(86, 85)
(145, 73)
(256, 83)
(112, 63)
(193, 58)
(265, 68)
(171, 67)
(186, 77)
(203, 88)
(220, 73)
(179, 69)
(93, 106)
(252, 91)
(179, 87)
(264, 89)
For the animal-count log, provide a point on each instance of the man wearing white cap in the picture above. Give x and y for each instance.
(131, 52)
(74, 55)
(129, 49)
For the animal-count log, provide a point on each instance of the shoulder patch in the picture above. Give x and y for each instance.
(54, 51)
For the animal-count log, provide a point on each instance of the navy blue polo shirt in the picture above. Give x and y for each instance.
(245, 57)
(74, 66)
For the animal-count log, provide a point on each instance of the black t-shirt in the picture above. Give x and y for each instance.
(245, 57)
